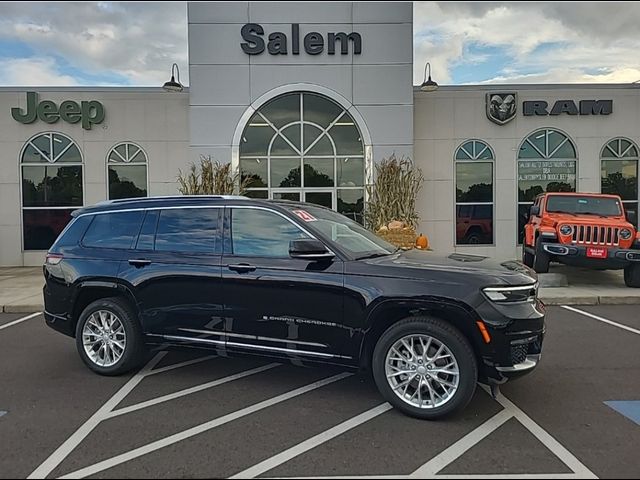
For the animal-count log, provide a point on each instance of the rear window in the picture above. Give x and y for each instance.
(189, 230)
(113, 230)
(73, 233)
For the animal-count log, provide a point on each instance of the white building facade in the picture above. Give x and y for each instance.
(304, 99)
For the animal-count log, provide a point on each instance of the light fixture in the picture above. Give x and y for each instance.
(428, 85)
(172, 85)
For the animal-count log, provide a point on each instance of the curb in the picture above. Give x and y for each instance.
(26, 308)
(599, 300)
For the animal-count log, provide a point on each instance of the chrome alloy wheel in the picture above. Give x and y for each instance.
(422, 371)
(104, 338)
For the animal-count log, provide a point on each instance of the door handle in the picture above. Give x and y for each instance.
(242, 268)
(139, 262)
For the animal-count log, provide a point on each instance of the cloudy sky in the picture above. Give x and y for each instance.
(130, 43)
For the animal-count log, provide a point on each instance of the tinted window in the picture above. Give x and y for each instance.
(113, 230)
(583, 205)
(261, 233)
(148, 231)
(189, 230)
(73, 234)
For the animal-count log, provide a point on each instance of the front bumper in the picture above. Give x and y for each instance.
(517, 334)
(617, 258)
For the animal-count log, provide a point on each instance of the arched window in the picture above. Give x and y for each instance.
(127, 171)
(546, 163)
(51, 169)
(304, 146)
(619, 172)
(474, 193)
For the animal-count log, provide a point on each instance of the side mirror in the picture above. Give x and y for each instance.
(309, 249)
(534, 211)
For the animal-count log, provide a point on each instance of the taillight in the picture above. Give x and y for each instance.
(53, 258)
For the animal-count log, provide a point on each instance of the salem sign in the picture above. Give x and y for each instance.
(313, 42)
(89, 113)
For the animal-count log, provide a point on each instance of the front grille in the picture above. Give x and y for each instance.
(595, 235)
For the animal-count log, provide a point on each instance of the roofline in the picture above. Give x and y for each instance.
(532, 86)
(111, 89)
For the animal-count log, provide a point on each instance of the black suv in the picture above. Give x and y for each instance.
(292, 281)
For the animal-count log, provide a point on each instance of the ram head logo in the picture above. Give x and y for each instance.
(501, 107)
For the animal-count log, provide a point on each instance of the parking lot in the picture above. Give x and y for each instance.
(194, 414)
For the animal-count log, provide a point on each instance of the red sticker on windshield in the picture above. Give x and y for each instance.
(304, 215)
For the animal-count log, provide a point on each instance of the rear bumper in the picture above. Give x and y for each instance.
(60, 324)
(616, 258)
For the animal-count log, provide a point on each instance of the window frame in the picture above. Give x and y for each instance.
(126, 163)
(473, 161)
(300, 155)
(618, 156)
(22, 164)
(546, 156)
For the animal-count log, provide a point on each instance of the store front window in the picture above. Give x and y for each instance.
(619, 173)
(127, 171)
(305, 147)
(546, 163)
(51, 169)
(474, 193)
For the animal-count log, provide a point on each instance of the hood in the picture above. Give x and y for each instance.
(416, 263)
(556, 218)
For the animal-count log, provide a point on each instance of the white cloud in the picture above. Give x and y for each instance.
(137, 40)
(563, 42)
(33, 72)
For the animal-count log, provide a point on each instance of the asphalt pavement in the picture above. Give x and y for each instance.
(195, 414)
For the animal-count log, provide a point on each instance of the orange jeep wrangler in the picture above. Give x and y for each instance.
(581, 229)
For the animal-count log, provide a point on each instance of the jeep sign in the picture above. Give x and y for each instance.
(90, 113)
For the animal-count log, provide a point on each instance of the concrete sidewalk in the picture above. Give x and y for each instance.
(21, 289)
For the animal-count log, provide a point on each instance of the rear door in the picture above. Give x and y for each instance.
(274, 303)
(175, 273)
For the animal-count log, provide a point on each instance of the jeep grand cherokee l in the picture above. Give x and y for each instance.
(291, 281)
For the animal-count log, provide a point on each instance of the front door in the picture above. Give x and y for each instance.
(274, 303)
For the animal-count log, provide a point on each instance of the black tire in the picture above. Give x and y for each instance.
(134, 350)
(447, 335)
(527, 257)
(632, 276)
(541, 258)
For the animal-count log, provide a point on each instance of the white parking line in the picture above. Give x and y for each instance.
(20, 320)
(313, 442)
(168, 368)
(604, 320)
(87, 427)
(189, 391)
(178, 437)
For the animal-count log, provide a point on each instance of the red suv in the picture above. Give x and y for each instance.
(582, 229)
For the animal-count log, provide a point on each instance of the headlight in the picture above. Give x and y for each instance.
(566, 229)
(524, 293)
(625, 234)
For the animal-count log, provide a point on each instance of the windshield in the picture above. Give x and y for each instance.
(349, 235)
(577, 204)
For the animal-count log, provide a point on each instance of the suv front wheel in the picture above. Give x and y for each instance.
(425, 367)
(632, 275)
(109, 337)
(541, 258)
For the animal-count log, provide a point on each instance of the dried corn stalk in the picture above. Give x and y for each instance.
(211, 178)
(393, 194)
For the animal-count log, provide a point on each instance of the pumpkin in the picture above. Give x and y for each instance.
(422, 242)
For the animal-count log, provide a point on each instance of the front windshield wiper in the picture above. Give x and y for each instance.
(594, 213)
(558, 211)
(374, 255)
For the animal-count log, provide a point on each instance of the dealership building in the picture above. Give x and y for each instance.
(304, 99)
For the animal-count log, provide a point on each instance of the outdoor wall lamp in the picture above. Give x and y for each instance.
(172, 85)
(428, 85)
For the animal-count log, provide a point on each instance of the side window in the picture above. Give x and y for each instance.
(189, 230)
(113, 230)
(261, 233)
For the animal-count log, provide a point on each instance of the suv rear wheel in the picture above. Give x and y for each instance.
(425, 367)
(109, 337)
(632, 275)
(541, 258)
